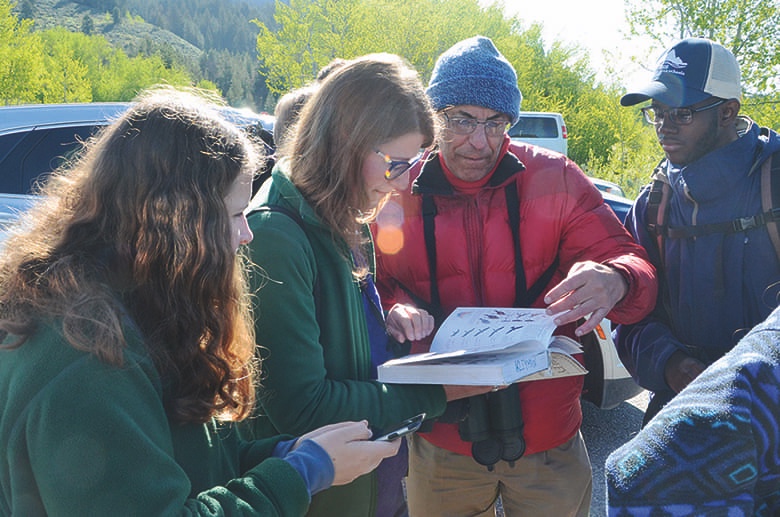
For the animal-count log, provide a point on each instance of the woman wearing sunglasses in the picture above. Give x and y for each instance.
(319, 325)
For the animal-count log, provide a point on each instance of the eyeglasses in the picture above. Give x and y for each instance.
(466, 126)
(678, 116)
(396, 168)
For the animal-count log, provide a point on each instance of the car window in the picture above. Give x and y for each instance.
(28, 156)
(534, 127)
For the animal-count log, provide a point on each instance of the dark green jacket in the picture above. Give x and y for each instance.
(81, 438)
(316, 350)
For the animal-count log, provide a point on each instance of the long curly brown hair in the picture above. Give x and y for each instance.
(135, 234)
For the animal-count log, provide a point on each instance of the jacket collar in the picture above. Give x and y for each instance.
(719, 173)
(432, 179)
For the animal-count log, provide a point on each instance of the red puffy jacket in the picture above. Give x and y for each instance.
(561, 215)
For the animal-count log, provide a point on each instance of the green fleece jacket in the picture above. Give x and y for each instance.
(312, 333)
(82, 438)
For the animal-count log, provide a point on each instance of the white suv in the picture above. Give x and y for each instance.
(545, 129)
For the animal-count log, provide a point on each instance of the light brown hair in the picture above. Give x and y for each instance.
(363, 103)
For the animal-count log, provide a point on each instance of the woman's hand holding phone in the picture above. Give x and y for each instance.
(397, 431)
(350, 450)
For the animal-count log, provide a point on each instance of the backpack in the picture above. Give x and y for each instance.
(658, 202)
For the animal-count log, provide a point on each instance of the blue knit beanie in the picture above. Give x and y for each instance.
(473, 72)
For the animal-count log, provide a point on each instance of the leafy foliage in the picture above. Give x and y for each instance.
(749, 28)
(255, 50)
(21, 69)
(184, 34)
(308, 34)
(57, 65)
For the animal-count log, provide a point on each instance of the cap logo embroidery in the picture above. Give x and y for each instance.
(673, 64)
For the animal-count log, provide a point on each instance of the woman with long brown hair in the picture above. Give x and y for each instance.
(127, 337)
(319, 322)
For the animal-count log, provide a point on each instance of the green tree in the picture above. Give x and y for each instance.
(427, 28)
(87, 25)
(310, 34)
(88, 68)
(21, 63)
(749, 28)
(307, 35)
(26, 10)
(66, 74)
(116, 15)
(620, 147)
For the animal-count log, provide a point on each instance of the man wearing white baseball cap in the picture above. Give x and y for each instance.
(701, 220)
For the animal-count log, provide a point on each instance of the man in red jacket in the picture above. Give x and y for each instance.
(488, 223)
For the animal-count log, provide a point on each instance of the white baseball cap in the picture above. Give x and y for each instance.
(693, 70)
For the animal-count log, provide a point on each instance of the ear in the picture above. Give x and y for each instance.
(729, 111)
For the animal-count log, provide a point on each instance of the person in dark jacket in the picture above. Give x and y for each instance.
(512, 225)
(126, 343)
(716, 285)
(715, 448)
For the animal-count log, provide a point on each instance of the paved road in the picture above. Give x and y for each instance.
(604, 431)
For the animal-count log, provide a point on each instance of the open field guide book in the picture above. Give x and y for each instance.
(489, 346)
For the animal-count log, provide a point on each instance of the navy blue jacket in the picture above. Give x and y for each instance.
(714, 288)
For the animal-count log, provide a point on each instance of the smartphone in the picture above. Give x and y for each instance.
(406, 427)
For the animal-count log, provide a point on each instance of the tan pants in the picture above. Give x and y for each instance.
(554, 483)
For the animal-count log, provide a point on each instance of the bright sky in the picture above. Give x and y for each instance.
(597, 26)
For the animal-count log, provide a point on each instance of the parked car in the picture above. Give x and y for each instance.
(36, 139)
(545, 129)
(548, 130)
(608, 186)
(619, 204)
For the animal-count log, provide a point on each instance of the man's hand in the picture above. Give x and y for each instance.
(590, 288)
(681, 369)
(408, 322)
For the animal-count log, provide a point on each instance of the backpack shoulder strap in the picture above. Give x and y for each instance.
(524, 297)
(660, 192)
(429, 233)
(295, 216)
(657, 205)
(770, 196)
(513, 213)
(292, 214)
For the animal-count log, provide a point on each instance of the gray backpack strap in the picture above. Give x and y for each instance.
(657, 204)
(295, 216)
(770, 197)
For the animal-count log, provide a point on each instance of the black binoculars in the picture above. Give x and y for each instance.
(494, 425)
